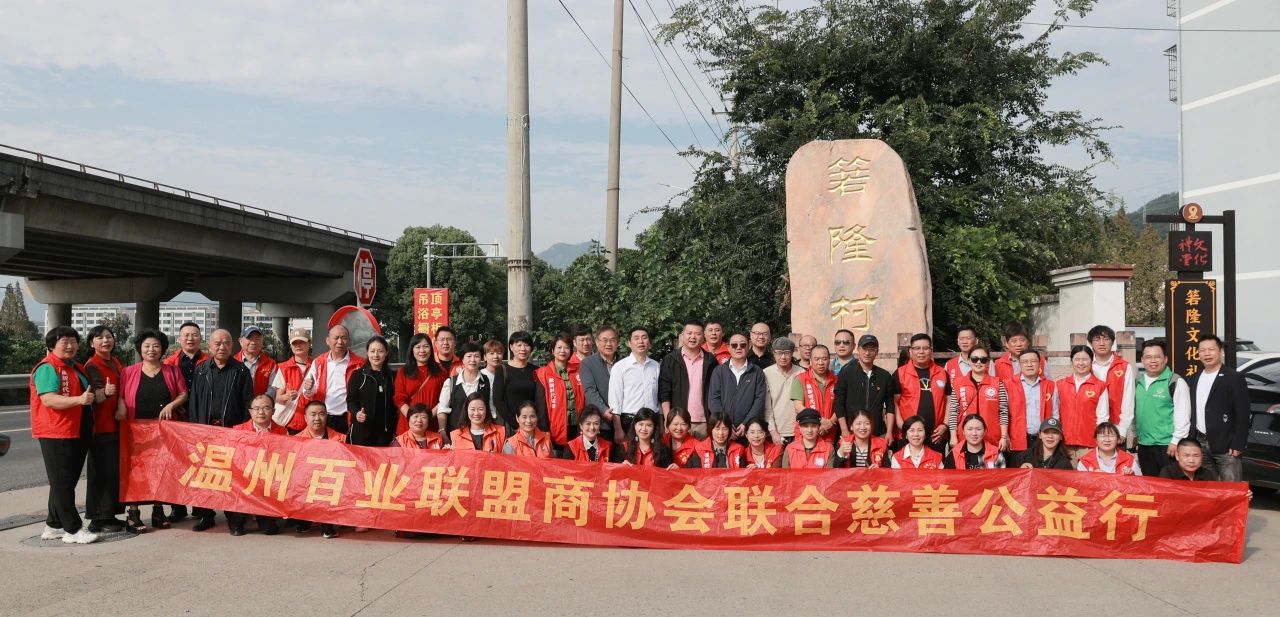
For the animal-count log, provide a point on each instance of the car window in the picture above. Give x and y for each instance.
(1267, 373)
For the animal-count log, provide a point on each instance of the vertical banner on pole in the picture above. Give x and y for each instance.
(1192, 309)
(430, 309)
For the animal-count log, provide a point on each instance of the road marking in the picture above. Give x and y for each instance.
(16, 430)
(14, 411)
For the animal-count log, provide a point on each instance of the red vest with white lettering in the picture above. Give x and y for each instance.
(989, 454)
(931, 459)
(557, 400)
(952, 369)
(819, 397)
(261, 372)
(815, 459)
(1124, 462)
(909, 389)
(1078, 409)
(706, 454)
(172, 360)
(1115, 386)
(982, 398)
(104, 413)
(50, 423)
(579, 449)
(879, 450)
(541, 447)
(1019, 406)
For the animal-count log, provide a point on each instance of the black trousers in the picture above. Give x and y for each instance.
(63, 461)
(1152, 459)
(236, 519)
(339, 423)
(102, 498)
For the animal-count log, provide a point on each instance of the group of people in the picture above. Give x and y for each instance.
(745, 400)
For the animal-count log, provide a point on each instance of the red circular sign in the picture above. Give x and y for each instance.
(1192, 213)
(366, 281)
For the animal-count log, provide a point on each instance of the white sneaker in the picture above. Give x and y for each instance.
(52, 533)
(80, 537)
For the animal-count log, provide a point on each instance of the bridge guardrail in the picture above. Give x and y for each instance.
(168, 188)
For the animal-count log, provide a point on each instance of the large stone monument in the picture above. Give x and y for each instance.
(855, 248)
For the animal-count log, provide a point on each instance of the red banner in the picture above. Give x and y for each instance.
(430, 309)
(1008, 512)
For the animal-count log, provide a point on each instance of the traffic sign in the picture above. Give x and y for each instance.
(366, 272)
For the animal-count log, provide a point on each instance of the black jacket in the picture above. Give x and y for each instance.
(1226, 413)
(855, 391)
(374, 392)
(1058, 460)
(221, 394)
(673, 378)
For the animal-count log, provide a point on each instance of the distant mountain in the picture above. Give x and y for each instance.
(1164, 204)
(560, 255)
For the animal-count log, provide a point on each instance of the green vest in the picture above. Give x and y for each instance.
(1153, 409)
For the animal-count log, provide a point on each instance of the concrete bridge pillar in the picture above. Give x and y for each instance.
(59, 315)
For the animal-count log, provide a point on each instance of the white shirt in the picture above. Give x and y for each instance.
(446, 392)
(1181, 407)
(738, 371)
(1204, 384)
(1126, 397)
(633, 385)
(335, 386)
(1109, 466)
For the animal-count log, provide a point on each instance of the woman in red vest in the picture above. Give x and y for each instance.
(419, 436)
(807, 451)
(861, 449)
(1108, 457)
(717, 452)
(677, 438)
(419, 381)
(529, 441)
(559, 394)
(643, 446)
(62, 421)
(983, 394)
(482, 434)
(915, 454)
(287, 383)
(588, 446)
(760, 453)
(102, 495)
(1082, 403)
(974, 452)
(150, 390)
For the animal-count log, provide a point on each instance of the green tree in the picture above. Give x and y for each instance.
(1148, 252)
(477, 288)
(954, 86)
(13, 315)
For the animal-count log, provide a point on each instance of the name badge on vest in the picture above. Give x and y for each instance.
(819, 461)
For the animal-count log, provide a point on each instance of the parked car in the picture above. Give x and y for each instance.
(4, 445)
(1261, 461)
(1247, 361)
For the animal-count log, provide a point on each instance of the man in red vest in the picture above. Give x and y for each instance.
(815, 389)
(326, 380)
(260, 365)
(1116, 372)
(923, 389)
(715, 341)
(188, 356)
(958, 366)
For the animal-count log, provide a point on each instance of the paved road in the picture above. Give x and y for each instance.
(22, 466)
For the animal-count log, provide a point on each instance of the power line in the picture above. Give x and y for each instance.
(625, 86)
(654, 42)
(697, 84)
(1148, 28)
(674, 96)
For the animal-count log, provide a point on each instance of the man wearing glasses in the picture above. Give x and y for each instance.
(923, 389)
(844, 351)
(804, 350)
(866, 386)
(738, 387)
(759, 353)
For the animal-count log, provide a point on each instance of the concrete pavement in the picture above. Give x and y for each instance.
(178, 571)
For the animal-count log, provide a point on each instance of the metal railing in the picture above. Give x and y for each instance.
(14, 382)
(189, 194)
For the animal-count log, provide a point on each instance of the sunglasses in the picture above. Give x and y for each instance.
(844, 342)
(979, 359)
(737, 345)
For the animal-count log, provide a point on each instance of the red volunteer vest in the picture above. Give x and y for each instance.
(817, 396)
(1124, 462)
(721, 352)
(909, 388)
(579, 449)
(952, 368)
(47, 422)
(931, 459)
(292, 375)
(261, 372)
(879, 450)
(329, 434)
(1007, 367)
(989, 454)
(817, 459)
(772, 453)
(494, 436)
(981, 398)
(104, 413)
(1019, 406)
(275, 429)
(1078, 409)
(320, 369)
(557, 400)
(433, 439)
(541, 447)
(1115, 386)
(706, 454)
(172, 360)
(687, 448)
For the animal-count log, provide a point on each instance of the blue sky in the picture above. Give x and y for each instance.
(379, 115)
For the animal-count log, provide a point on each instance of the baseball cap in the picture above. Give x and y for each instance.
(299, 334)
(248, 330)
(808, 416)
(1051, 424)
(868, 340)
(783, 343)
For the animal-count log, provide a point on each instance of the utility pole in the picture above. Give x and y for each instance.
(615, 143)
(519, 244)
(734, 150)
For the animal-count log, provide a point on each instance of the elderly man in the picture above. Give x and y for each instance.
(594, 373)
(326, 379)
(738, 387)
(778, 379)
(804, 349)
(260, 365)
(221, 392)
(62, 421)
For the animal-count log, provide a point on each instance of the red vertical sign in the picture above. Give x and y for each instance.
(430, 309)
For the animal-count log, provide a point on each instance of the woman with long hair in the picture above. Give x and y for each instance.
(529, 441)
(371, 398)
(419, 381)
(643, 447)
